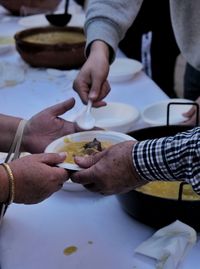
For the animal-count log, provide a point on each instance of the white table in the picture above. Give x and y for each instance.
(34, 236)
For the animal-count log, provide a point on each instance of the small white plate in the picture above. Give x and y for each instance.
(124, 69)
(112, 137)
(156, 114)
(117, 117)
(40, 20)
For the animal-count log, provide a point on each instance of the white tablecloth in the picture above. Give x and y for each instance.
(34, 236)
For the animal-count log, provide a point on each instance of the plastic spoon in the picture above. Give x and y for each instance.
(86, 121)
(60, 19)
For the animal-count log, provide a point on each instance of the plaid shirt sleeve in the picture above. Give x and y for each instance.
(170, 158)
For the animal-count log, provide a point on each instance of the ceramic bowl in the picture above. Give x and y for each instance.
(124, 69)
(29, 7)
(156, 114)
(117, 117)
(52, 47)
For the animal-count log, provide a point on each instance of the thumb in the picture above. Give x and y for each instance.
(61, 108)
(52, 158)
(88, 161)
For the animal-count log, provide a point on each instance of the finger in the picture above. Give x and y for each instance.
(99, 103)
(61, 108)
(92, 187)
(190, 112)
(190, 121)
(82, 89)
(50, 158)
(105, 90)
(88, 161)
(81, 177)
(97, 87)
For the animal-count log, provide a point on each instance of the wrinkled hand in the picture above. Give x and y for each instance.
(46, 126)
(110, 171)
(36, 177)
(192, 114)
(91, 82)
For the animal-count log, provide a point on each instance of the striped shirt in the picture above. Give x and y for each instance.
(170, 158)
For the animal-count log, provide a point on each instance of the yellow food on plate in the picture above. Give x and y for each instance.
(166, 189)
(82, 148)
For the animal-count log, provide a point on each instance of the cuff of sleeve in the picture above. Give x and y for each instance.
(150, 161)
(101, 31)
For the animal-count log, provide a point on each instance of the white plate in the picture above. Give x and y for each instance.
(112, 137)
(124, 69)
(39, 20)
(156, 114)
(117, 117)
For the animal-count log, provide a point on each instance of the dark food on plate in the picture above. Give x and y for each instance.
(82, 148)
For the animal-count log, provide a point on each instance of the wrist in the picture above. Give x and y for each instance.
(138, 180)
(4, 183)
(100, 47)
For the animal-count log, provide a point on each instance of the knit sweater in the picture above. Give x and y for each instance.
(108, 20)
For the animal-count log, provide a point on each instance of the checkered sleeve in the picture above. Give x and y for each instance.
(170, 158)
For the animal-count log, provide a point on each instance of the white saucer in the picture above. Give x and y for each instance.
(124, 69)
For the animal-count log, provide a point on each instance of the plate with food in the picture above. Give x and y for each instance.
(84, 144)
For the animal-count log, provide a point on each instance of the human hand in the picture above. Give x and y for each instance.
(91, 82)
(47, 126)
(110, 171)
(36, 177)
(192, 114)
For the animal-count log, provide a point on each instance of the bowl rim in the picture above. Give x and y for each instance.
(148, 120)
(19, 37)
(131, 118)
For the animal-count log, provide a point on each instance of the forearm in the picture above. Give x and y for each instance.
(171, 158)
(8, 127)
(109, 20)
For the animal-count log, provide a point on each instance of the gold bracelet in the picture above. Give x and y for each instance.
(11, 183)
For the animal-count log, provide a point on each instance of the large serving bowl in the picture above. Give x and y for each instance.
(158, 211)
(28, 7)
(52, 47)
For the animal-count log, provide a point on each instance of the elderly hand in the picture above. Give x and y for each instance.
(110, 171)
(91, 81)
(47, 126)
(192, 114)
(36, 177)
